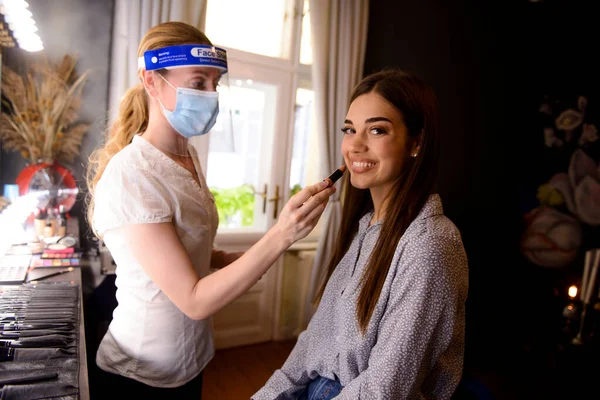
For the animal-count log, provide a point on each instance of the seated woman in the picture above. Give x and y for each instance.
(391, 317)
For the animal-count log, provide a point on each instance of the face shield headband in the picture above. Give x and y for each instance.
(187, 55)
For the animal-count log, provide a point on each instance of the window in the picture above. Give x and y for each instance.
(242, 25)
(305, 44)
(304, 169)
(274, 143)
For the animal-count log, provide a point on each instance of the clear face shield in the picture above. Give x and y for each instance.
(194, 73)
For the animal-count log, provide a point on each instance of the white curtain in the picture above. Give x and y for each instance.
(339, 36)
(132, 19)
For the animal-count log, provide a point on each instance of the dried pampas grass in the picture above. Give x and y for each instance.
(40, 110)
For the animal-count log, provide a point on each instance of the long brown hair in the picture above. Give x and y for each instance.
(133, 109)
(416, 101)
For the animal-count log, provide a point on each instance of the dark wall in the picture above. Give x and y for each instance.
(82, 27)
(490, 64)
(560, 42)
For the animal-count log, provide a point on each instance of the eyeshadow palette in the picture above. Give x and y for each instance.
(56, 254)
(56, 260)
(14, 268)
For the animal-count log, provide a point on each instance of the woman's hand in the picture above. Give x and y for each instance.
(302, 212)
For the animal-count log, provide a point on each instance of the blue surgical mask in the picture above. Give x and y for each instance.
(195, 111)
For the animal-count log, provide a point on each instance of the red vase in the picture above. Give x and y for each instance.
(52, 183)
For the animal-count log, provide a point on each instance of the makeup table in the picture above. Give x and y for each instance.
(74, 277)
(79, 278)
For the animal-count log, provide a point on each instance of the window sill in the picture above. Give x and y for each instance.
(309, 243)
(241, 240)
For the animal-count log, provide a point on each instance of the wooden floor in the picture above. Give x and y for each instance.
(238, 373)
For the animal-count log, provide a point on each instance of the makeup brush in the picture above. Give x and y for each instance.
(62, 271)
(337, 174)
(333, 178)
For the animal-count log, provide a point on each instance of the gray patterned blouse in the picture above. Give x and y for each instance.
(414, 344)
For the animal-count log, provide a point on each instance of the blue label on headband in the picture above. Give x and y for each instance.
(187, 55)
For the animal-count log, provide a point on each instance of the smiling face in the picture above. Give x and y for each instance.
(376, 144)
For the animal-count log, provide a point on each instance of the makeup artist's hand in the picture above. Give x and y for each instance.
(302, 212)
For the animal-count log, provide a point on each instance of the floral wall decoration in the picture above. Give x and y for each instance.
(566, 219)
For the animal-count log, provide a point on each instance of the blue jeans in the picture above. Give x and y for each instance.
(321, 389)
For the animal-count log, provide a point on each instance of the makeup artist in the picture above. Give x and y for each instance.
(391, 318)
(150, 205)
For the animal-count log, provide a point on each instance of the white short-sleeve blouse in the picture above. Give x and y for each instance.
(149, 339)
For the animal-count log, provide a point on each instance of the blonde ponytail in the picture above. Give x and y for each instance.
(132, 119)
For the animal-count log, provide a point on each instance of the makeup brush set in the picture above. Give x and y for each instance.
(39, 336)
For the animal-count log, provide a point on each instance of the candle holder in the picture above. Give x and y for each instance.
(582, 322)
(571, 318)
(579, 338)
(588, 300)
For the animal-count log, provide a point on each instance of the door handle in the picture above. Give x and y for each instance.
(275, 200)
(264, 197)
